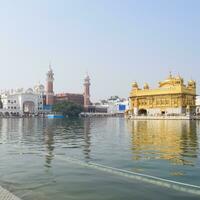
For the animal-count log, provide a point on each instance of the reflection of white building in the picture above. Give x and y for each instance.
(20, 102)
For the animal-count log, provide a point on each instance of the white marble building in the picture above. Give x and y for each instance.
(20, 102)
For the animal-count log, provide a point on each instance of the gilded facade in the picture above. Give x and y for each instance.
(172, 97)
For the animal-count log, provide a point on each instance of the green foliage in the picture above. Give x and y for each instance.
(67, 108)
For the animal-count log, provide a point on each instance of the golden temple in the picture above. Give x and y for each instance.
(172, 97)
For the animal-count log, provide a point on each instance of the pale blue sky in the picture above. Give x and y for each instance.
(116, 41)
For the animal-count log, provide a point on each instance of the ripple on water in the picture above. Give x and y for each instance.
(168, 149)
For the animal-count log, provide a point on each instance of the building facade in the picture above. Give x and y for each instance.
(40, 100)
(52, 98)
(22, 102)
(117, 105)
(172, 97)
(76, 98)
(112, 105)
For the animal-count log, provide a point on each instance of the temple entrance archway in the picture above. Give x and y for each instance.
(6, 114)
(142, 112)
(29, 107)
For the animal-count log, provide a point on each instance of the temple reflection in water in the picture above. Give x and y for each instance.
(171, 140)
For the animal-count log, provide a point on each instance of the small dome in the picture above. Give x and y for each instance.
(146, 86)
(87, 78)
(134, 85)
(29, 91)
(191, 83)
(41, 87)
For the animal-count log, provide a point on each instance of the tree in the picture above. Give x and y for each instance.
(67, 108)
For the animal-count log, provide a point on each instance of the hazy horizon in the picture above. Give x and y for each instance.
(117, 42)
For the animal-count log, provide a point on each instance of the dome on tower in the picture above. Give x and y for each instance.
(50, 74)
(192, 83)
(87, 77)
(134, 85)
(146, 86)
(87, 80)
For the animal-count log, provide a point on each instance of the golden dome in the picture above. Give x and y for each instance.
(134, 85)
(167, 83)
(171, 81)
(191, 83)
(146, 86)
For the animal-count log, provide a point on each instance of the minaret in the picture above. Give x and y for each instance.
(49, 87)
(86, 93)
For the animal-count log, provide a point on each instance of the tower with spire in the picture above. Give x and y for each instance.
(49, 87)
(86, 93)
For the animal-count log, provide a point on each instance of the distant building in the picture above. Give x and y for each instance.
(113, 105)
(172, 97)
(117, 105)
(76, 98)
(19, 102)
(52, 98)
(40, 100)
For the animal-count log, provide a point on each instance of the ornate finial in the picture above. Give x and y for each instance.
(87, 76)
(50, 68)
(170, 74)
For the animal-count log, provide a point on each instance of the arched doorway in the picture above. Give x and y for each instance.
(6, 114)
(28, 107)
(142, 112)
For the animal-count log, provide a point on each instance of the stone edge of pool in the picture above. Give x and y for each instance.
(6, 195)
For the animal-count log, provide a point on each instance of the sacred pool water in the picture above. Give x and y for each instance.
(100, 158)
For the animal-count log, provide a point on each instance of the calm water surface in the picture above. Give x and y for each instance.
(30, 168)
